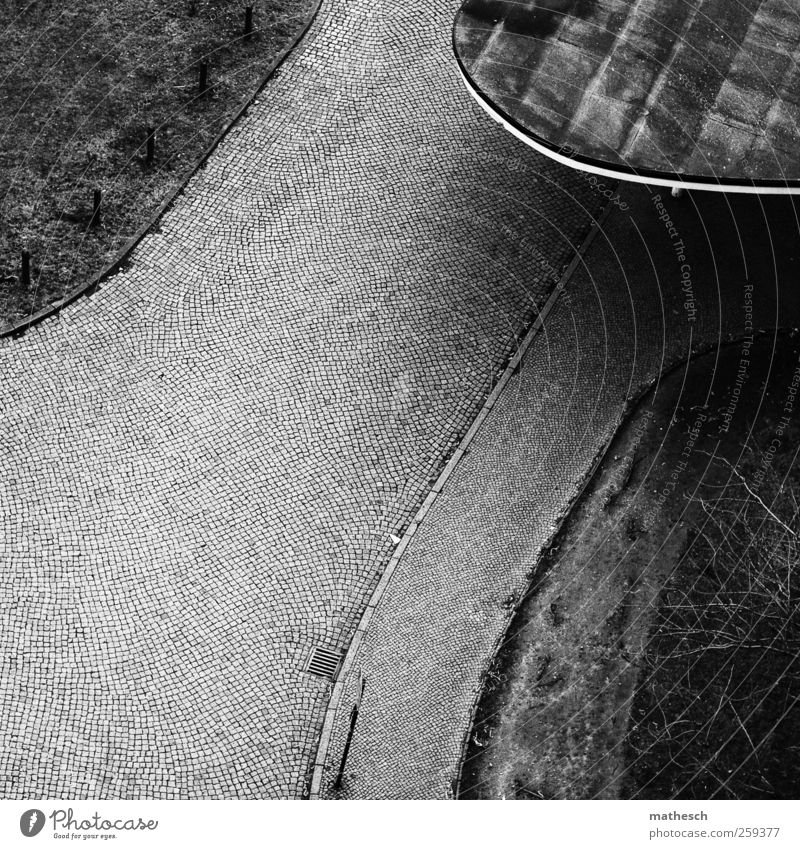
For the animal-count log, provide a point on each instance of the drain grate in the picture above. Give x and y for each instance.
(324, 662)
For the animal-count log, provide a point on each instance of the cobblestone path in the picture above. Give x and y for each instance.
(623, 318)
(203, 464)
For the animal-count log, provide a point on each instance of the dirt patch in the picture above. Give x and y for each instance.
(83, 86)
(717, 708)
(554, 721)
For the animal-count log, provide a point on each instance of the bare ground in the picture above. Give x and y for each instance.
(576, 704)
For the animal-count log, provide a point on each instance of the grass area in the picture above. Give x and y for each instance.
(83, 83)
(657, 652)
(717, 713)
(554, 706)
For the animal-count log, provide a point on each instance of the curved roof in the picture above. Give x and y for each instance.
(680, 92)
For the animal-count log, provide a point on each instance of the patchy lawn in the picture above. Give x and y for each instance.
(82, 85)
(657, 653)
(718, 705)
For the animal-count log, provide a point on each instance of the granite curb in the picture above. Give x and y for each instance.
(363, 626)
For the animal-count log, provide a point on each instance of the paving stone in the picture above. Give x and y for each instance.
(620, 323)
(204, 462)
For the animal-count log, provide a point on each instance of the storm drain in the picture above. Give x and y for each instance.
(324, 662)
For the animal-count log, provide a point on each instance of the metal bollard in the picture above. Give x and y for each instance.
(96, 200)
(248, 21)
(203, 85)
(151, 144)
(25, 276)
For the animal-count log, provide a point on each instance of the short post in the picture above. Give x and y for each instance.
(203, 78)
(248, 21)
(26, 269)
(192, 9)
(96, 200)
(151, 144)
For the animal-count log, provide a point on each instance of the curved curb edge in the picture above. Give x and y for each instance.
(630, 174)
(124, 256)
(353, 649)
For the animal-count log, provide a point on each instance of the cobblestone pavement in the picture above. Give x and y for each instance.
(204, 463)
(635, 307)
